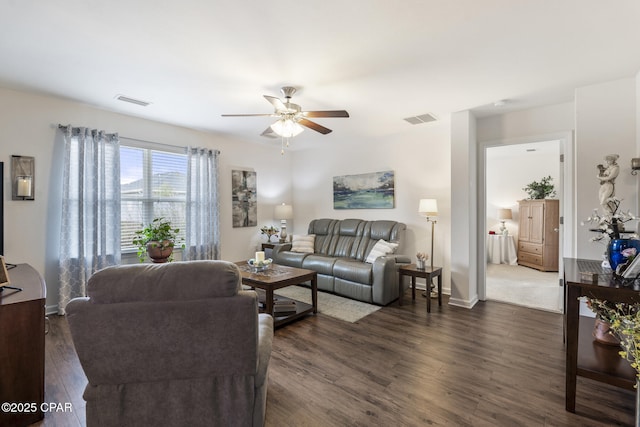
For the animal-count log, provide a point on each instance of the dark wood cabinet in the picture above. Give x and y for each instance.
(22, 323)
(584, 357)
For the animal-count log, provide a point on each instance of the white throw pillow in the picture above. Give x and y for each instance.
(304, 244)
(381, 248)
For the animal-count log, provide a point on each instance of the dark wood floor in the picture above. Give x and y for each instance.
(495, 365)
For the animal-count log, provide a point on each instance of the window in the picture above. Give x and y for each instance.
(153, 182)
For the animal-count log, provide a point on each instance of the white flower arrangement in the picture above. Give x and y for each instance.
(610, 226)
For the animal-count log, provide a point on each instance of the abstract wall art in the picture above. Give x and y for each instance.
(244, 198)
(364, 191)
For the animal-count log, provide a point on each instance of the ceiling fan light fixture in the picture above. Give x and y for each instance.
(287, 128)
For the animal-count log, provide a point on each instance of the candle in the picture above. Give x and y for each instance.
(259, 256)
(24, 187)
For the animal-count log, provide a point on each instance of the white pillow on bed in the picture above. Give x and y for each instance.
(301, 243)
(381, 248)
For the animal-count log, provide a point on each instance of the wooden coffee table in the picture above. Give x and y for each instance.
(277, 277)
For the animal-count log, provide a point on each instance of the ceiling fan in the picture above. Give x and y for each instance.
(291, 117)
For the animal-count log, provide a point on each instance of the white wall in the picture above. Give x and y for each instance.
(604, 120)
(420, 159)
(427, 160)
(464, 199)
(29, 123)
(544, 120)
(605, 124)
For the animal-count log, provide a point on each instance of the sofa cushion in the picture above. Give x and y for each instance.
(290, 258)
(354, 271)
(323, 229)
(346, 239)
(304, 244)
(390, 231)
(176, 281)
(320, 263)
(381, 248)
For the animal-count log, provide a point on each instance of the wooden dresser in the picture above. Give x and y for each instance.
(22, 318)
(538, 234)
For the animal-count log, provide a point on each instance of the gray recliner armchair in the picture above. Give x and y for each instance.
(172, 344)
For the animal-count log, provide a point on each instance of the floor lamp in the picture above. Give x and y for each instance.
(429, 209)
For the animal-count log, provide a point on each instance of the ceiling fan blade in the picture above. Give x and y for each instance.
(329, 113)
(248, 115)
(314, 126)
(277, 104)
(269, 133)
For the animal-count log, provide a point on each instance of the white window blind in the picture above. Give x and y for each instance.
(153, 179)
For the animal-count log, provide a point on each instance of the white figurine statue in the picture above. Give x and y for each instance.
(607, 175)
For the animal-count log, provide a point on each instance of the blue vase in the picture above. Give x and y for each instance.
(615, 248)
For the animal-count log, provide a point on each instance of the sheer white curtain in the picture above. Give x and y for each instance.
(90, 234)
(203, 205)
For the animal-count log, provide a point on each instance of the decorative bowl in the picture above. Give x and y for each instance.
(260, 265)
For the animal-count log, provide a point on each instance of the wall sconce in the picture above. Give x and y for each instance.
(23, 170)
(635, 165)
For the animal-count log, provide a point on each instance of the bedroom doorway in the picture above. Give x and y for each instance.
(508, 169)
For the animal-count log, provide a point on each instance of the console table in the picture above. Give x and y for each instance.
(583, 356)
(22, 318)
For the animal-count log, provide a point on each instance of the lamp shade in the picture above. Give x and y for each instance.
(283, 212)
(505, 213)
(428, 207)
(287, 128)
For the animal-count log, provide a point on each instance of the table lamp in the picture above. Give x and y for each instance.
(283, 212)
(429, 209)
(503, 215)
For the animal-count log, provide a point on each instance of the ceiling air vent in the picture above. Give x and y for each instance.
(132, 100)
(424, 118)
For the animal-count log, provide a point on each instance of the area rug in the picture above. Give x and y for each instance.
(331, 305)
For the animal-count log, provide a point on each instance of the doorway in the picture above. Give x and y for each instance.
(508, 168)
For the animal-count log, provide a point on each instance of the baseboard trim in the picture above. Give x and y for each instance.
(464, 303)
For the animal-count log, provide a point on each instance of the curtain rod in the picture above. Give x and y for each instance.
(148, 142)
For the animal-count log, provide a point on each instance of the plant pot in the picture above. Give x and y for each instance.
(602, 335)
(159, 252)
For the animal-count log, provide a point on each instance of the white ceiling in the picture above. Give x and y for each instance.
(381, 60)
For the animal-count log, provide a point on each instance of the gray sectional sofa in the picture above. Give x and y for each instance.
(340, 251)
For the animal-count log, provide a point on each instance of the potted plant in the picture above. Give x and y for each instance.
(157, 241)
(542, 189)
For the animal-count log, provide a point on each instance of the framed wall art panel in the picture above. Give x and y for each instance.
(364, 191)
(244, 198)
